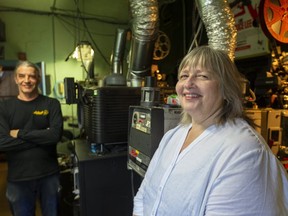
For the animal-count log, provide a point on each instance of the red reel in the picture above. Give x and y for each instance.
(274, 19)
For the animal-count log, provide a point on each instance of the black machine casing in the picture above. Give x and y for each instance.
(106, 111)
(104, 183)
(147, 126)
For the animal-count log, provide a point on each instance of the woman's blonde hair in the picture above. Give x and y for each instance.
(225, 72)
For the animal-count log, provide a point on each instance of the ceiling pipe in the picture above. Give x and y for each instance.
(220, 25)
(145, 27)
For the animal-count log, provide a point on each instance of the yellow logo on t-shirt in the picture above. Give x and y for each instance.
(41, 112)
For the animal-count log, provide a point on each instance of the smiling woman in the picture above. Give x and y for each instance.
(213, 162)
(211, 77)
(199, 94)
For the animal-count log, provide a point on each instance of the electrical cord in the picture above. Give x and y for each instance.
(91, 38)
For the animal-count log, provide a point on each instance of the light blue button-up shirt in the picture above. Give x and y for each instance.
(227, 170)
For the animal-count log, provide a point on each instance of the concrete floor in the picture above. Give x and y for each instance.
(4, 206)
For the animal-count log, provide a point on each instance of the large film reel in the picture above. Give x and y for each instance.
(274, 19)
(162, 46)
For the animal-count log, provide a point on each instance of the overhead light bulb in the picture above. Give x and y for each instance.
(83, 52)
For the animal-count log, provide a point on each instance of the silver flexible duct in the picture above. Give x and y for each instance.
(219, 23)
(145, 25)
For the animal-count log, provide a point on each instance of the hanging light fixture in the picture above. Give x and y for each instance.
(83, 52)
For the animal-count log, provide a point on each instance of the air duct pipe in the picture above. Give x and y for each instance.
(219, 23)
(145, 25)
(116, 77)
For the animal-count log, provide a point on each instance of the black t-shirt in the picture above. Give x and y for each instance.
(33, 153)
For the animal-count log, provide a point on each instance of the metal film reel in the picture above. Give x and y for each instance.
(162, 46)
(274, 17)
